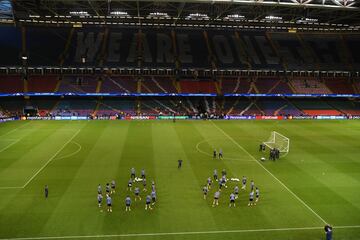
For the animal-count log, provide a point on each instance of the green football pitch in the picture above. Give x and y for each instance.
(318, 182)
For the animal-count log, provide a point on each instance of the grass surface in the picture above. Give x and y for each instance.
(319, 180)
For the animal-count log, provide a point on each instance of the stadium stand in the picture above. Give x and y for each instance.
(42, 83)
(13, 106)
(122, 84)
(196, 86)
(309, 86)
(114, 106)
(288, 109)
(281, 87)
(75, 107)
(339, 86)
(80, 84)
(207, 49)
(316, 107)
(265, 85)
(271, 107)
(235, 85)
(345, 106)
(156, 84)
(181, 106)
(11, 84)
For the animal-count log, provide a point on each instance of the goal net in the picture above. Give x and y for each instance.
(279, 141)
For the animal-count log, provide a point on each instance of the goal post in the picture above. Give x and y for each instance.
(279, 141)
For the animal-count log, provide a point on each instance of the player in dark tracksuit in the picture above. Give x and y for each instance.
(277, 153)
(46, 191)
(328, 232)
(261, 147)
(179, 163)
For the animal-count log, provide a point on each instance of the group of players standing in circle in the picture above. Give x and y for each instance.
(254, 191)
(253, 196)
(150, 199)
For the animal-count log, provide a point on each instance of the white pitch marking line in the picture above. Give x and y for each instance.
(252, 157)
(15, 141)
(11, 131)
(73, 153)
(4, 188)
(52, 158)
(8, 146)
(180, 233)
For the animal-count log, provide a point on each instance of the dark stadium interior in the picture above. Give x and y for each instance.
(184, 58)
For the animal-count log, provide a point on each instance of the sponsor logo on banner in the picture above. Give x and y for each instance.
(6, 119)
(330, 117)
(38, 118)
(172, 117)
(269, 117)
(303, 117)
(140, 117)
(71, 118)
(240, 117)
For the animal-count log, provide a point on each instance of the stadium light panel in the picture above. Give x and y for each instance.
(198, 16)
(79, 13)
(311, 19)
(308, 20)
(234, 17)
(159, 15)
(272, 18)
(119, 13)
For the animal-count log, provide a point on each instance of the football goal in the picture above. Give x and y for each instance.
(279, 141)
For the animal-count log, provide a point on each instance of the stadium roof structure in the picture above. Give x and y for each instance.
(191, 12)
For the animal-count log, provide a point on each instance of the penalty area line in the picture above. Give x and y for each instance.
(270, 173)
(9, 145)
(73, 153)
(52, 158)
(48, 161)
(13, 130)
(5, 188)
(180, 233)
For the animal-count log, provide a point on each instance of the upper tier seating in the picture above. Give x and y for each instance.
(281, 87)
(235, 85)
(158, 85)
(264, 85)
(191, 86)
(310, 86)
(117, 84)
(11, 84)
(339, 86)
(78, 84)
(42, 83)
